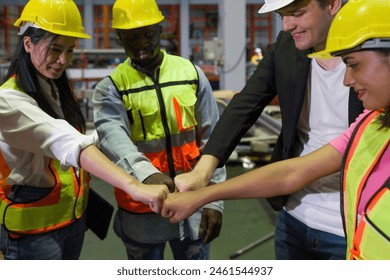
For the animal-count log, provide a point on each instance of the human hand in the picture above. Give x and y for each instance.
(179, 206)
(160, 178)
(200, 176)
(210, 225)
(153, 195)
(189, 181)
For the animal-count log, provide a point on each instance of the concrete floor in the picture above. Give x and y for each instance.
(246, 223)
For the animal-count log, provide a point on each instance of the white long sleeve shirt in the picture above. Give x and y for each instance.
(29, 137)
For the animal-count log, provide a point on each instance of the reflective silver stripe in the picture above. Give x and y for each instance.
(177, 140)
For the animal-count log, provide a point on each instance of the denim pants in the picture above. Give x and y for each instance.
(62, 244)
(186, 249)
(296, 241)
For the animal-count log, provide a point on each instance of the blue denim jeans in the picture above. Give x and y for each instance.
(62, 244)
(186, 249)
(296, 241)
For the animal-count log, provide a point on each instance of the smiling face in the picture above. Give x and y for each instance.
(308, 22)
(368, 72)
(142, 45)
(50, 57)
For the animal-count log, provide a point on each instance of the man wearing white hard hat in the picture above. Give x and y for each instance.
(315, 107)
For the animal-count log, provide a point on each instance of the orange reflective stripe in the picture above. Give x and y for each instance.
(359, 234)
(179, 121)
(46, 229)
(367, 141)
(4, 187)
(4, 170)
(355, 248)
(184, 159)
(4, 191)
(52, 198)
(127, 203)
(375, 200)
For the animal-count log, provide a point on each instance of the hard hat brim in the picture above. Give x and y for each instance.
(320, 55)
(19, 23)
(137, 24)
(273, 7)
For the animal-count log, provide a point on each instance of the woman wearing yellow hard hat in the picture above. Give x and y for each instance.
(44, 158)
(360, 34)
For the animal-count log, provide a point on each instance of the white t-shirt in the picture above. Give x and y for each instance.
(324, 116)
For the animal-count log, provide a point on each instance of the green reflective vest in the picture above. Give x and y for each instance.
(368, 238)
(64, 204)
(161, 115)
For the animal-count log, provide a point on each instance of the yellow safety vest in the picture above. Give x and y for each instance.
(368, 238)
(161, 116)
(64, 204)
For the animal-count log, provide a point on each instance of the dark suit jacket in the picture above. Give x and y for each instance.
(284, 72)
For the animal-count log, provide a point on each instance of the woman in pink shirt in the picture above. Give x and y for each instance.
(362, 152)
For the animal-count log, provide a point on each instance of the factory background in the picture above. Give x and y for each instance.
(220, 36)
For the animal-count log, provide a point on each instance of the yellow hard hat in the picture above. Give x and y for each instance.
(60, 17)
(130, 14)
(360, 24)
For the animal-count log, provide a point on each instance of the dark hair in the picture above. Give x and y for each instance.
(27, 80)
(385, 118)
(321, 3)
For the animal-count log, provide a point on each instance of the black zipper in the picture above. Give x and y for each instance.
(164, 120)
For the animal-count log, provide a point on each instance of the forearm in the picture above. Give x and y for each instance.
(93, 161)
(275, 179)
(259, 183)
(205, 168)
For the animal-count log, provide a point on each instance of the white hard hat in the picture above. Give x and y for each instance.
(257, 50)
(272, 5)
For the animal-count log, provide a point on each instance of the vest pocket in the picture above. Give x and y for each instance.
(184, 106)
(27, 194)
(145, 120)
(374, 228)
(377, 212)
